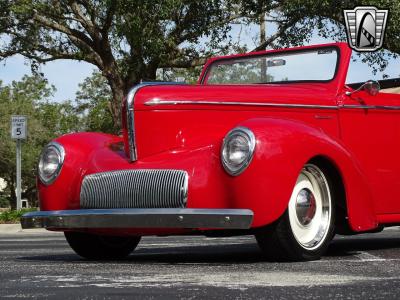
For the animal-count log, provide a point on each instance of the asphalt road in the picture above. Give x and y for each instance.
(41, 265)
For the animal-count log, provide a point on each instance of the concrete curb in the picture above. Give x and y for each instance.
(16, 228)
(10, 228)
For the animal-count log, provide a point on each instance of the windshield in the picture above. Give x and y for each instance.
(284, 67)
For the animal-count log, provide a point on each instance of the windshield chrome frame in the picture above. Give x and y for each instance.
(267, 53)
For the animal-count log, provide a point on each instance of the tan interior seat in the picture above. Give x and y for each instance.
(395, 90)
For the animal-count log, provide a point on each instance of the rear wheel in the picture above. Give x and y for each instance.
(101, 247)
(306, 228)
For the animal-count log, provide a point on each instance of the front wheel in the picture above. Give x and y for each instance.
(101, 247)
(306, 228)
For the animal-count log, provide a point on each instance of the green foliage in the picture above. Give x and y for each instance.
(327, 18)
(4, 202)
(93, 104)
(46, 120)
(190, 75)
(13, 216)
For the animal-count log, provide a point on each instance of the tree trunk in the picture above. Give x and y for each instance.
(120, 88)
(13, 195)
(118, 93)
(115, 108)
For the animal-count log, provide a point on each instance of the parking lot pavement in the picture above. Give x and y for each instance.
(41, 265)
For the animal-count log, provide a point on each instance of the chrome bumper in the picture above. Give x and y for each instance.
(140, 218)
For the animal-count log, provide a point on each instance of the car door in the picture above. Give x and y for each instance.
(370, 128)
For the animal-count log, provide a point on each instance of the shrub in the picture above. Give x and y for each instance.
(4, 201)
(13, 216)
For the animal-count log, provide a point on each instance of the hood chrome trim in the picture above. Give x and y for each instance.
(156, 101)
(375, 107)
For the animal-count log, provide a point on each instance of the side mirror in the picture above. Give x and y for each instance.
(372, 87)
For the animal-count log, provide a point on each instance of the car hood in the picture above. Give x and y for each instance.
(208, 96)
(170, 117)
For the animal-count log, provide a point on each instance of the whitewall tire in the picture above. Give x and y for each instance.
(307, 226)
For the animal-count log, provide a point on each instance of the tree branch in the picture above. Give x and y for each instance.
(61, 28)
(90, 27)
(180, 63)
(8, 53)
(109, 18)
(41, 59)
(275, 36)
(76, 37)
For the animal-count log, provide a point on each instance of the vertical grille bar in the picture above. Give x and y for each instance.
(135, 189)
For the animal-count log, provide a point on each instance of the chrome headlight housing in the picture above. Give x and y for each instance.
(50, 162)
(237, 150)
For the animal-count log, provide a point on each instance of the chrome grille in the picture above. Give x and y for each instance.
(135, 189)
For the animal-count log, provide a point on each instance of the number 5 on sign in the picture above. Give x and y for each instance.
(18, 127)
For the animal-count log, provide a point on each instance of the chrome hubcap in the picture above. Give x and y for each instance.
(310, 208)
(305, 206)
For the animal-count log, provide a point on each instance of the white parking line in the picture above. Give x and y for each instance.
(36, 240)
(365, 256)
(234, 280)
(62, 250)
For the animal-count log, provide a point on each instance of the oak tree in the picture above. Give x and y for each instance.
(127, 40)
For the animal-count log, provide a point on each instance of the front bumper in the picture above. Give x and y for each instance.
(140, 218)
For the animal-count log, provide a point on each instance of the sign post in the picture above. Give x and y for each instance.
(18, 133)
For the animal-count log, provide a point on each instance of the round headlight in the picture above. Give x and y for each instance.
(237, 150)
(50, 163)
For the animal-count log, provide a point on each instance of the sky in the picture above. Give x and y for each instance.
(66, 75)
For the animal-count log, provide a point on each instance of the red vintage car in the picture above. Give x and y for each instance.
(273, 143)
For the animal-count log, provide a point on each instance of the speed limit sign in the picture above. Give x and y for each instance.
(18, 127)
(18, 133)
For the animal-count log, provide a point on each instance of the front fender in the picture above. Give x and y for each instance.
(63, 193)
(283, 147)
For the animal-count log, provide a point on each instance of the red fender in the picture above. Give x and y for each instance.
(63, 193)
(283, 147)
